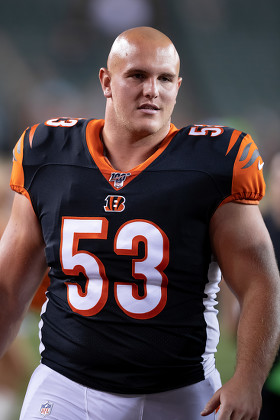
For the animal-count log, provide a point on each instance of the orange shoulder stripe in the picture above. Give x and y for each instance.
(17, 175)
(31, 134)
(233, 140)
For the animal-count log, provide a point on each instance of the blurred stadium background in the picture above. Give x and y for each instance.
(50, 54)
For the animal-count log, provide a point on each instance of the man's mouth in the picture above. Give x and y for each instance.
(149, 107)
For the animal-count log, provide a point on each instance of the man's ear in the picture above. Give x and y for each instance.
(105, 80)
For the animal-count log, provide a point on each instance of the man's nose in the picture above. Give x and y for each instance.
(150, 88)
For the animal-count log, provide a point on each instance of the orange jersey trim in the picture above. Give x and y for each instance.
(248, 186)
(17, 176)
(31, 134)
(96, 150)
(233, 140)
(40, 295)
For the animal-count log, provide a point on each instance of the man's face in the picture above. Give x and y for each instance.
(143, 87)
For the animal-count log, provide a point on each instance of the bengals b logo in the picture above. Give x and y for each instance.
(114, 203)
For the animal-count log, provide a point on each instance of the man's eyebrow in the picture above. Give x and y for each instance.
(168, 75)
(135, 70)
(143, 71)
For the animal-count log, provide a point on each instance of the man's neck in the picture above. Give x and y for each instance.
(125, 151)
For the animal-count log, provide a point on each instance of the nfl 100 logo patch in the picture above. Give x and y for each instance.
(119, 178)
(46, 408)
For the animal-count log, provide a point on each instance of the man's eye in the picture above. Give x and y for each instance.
(165, 79)
(138, 76)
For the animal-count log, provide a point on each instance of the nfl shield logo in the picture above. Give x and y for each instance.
(119, 178)
(46, 408)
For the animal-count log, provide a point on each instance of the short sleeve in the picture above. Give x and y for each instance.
(17, 175)
(17, 181)
(248, 185)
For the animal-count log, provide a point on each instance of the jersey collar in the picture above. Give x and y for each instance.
(116, 178)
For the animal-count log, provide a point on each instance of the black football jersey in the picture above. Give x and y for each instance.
(131, 302)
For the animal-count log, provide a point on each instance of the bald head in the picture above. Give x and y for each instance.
(140, 84)
(141, 38)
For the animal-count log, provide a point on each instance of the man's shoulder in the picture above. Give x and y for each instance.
(58, 141)
(229, 156)
(54, 138)
(211, 132)
(55, 129)
(211, 140)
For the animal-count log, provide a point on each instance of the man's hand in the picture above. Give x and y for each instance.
(237, 401)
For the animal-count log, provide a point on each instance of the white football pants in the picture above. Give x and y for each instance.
(52, 396)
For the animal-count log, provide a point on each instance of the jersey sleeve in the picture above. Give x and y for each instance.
(248, 185)
(17, 180)
(17, 176)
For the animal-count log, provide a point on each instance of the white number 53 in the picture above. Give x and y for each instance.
(204, 130)
(149, 269)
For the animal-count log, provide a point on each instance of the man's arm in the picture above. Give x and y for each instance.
(22, 266)
(245, 254)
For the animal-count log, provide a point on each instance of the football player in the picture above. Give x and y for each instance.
(137, 220)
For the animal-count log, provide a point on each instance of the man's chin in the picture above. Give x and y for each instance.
(145, 130)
